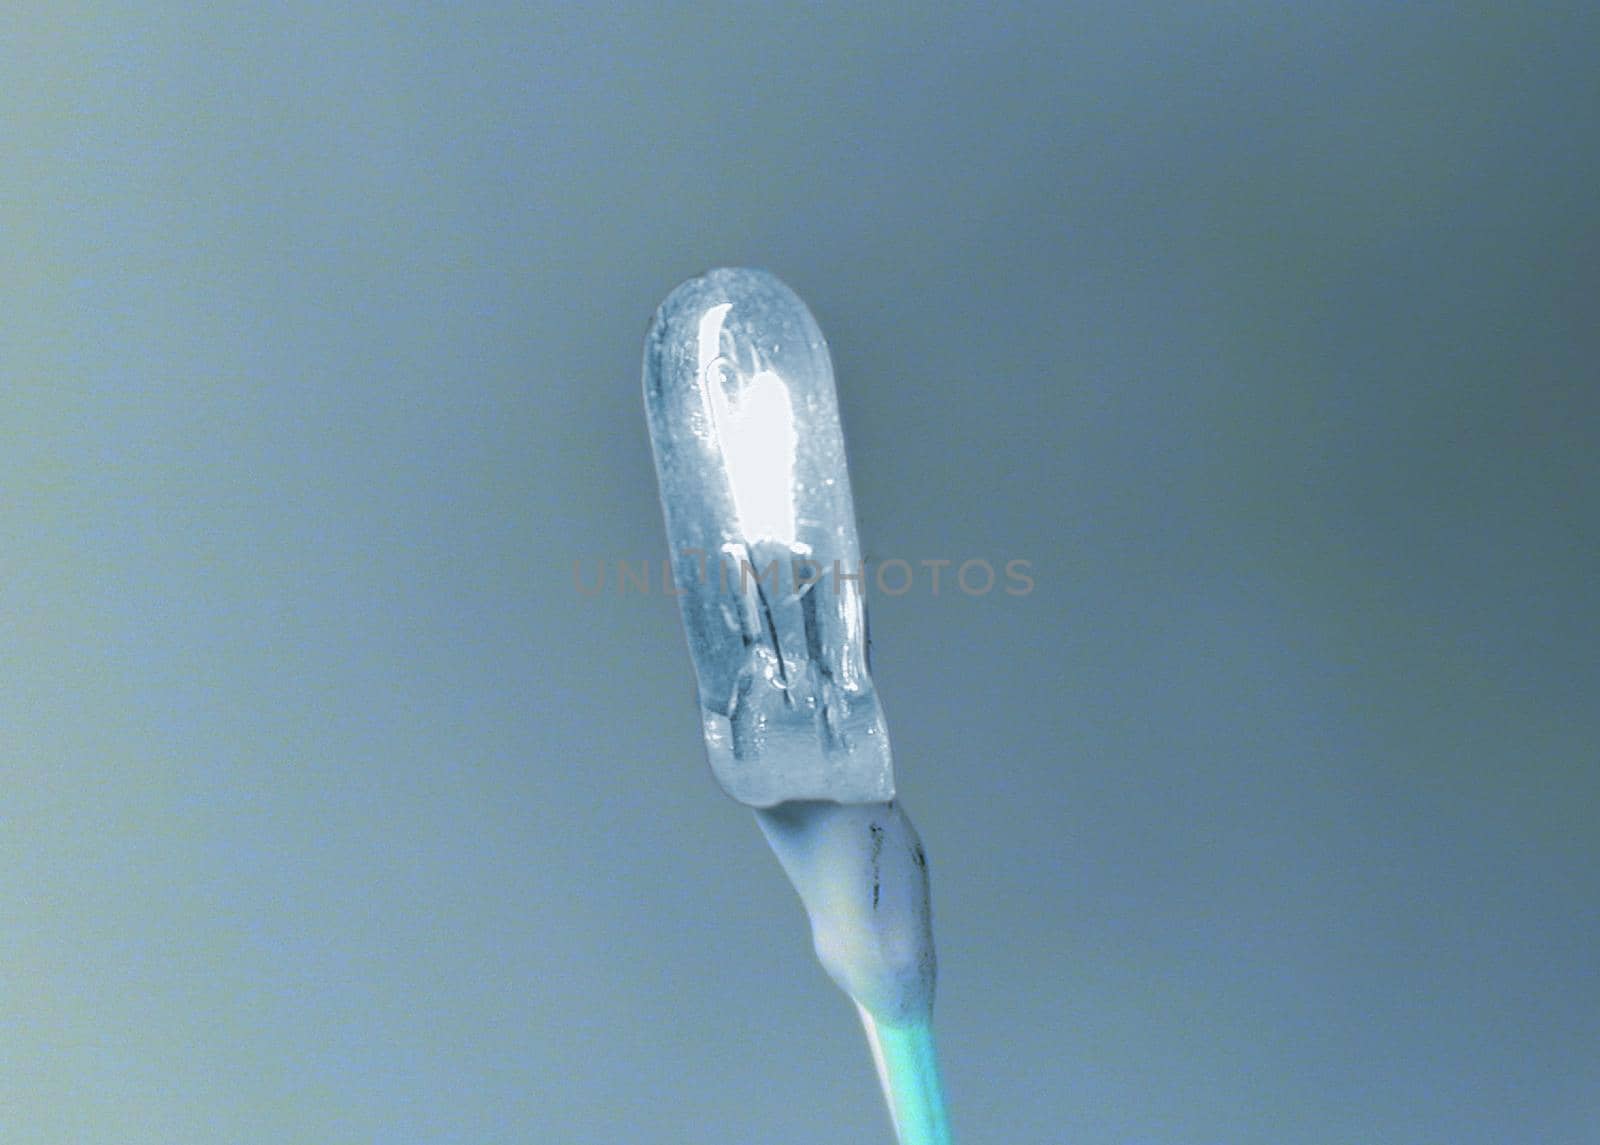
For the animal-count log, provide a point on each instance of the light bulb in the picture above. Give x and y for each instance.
(744, 422)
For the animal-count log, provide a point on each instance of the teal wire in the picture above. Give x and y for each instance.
(909, 1070)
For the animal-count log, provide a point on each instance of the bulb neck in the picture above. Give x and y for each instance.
(862, 876)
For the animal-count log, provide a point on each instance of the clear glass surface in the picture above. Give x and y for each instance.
(744, 422)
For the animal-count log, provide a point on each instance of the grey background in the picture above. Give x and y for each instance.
(333, 812)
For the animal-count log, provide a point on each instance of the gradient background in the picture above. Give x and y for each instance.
(332, 812)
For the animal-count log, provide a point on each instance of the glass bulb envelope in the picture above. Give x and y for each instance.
(744, 422)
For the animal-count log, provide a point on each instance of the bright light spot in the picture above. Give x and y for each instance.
(758, 444)
(755, 428)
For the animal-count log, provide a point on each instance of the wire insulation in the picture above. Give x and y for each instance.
(908, 1070)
